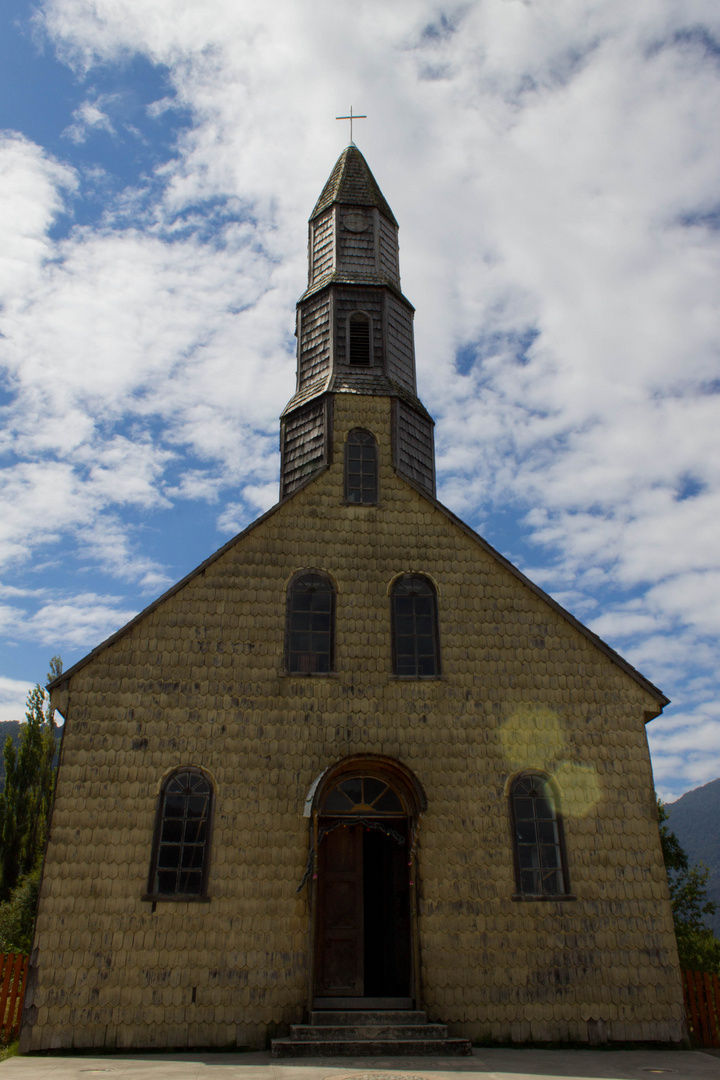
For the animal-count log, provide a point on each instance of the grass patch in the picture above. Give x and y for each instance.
(9, 1051)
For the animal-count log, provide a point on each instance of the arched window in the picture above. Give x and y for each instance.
(182, 836)
(359, 341)
(539, 864)
(361, 468)
(309, 644)
(414, 627)
(362, 796)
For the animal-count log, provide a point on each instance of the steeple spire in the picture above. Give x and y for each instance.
(354, 330)
(352, 184)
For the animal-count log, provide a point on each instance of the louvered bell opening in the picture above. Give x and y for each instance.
(360, 340)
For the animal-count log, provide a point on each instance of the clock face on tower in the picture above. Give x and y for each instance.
(356, 223)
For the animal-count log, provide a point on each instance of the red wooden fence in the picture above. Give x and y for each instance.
(702, 1006)
(13, 971)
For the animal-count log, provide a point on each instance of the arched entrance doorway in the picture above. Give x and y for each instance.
(365, 816)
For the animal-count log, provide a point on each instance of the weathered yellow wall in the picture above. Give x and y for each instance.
(199, 681)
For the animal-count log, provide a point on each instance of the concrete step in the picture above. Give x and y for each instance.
(372, 1032)
(371, 1048)
(364, 1017)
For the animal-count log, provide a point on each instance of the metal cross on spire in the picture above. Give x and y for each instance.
(351, 118)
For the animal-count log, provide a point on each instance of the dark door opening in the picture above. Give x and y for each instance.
(386, 909)
(362, 946)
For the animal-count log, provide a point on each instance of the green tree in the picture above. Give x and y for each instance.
(698, 947)
(17, 916)
(29, 785)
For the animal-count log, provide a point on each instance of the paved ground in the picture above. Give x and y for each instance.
(483, 1065)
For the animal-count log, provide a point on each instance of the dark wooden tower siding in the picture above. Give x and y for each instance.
(354, 328)
(304, 444)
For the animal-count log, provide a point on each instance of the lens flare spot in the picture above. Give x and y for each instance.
(580, 789)
(532, 736)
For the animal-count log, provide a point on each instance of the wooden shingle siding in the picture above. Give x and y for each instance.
(304, 441)
(322, 254)
(356, 250)
(389, 263)
(198, 679)
(400, 347)
(414, 455)
(314, 359)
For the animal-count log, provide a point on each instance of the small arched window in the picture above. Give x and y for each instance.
(537, 832)
(414, 627)
(359, 341)
(361, 468)
(182, 836)
(362, 796)
(309, 644)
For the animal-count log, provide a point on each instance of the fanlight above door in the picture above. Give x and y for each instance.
(362, 795)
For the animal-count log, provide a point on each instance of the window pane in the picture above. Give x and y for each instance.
(549, 856)
(553, 884)
(537, 837)
(184, 813)
(361, 468)
(309, 625)
(172, 830)
(529, 882)
(174, 806)
(544, 808)
(192, 857)
(372, 788)
(166, 883)
(195, 831)
(169, 856)
(337, 801)
(196, 806)
(426, 665)
(360, 791)
(414, 627)
(547, 832)
(190, 883)
(388, 803)
(528, 855)
(524, 809)
(353, 789)
(525, 832)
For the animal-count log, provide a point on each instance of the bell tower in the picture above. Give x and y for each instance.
(354, 330)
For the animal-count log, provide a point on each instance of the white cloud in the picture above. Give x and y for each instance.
(81, 621)
(88, 117)
(13, 695)
(554, 169)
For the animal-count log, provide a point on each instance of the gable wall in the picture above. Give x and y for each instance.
(199, 682)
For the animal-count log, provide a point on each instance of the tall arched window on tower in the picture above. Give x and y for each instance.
(359, 339)
(310, 631)
(540, 868)
(179, 862)
(361, 468)
(415, 627)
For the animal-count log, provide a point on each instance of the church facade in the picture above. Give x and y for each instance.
(355, 759)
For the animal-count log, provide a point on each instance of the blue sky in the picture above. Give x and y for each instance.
(554, 169)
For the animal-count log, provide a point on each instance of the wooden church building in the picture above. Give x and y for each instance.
(355, 769)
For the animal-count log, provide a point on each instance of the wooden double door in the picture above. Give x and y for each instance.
(363, 928)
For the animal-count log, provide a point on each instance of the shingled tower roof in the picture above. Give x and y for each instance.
(352, 184)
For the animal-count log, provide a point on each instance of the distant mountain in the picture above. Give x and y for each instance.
(695, 820)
